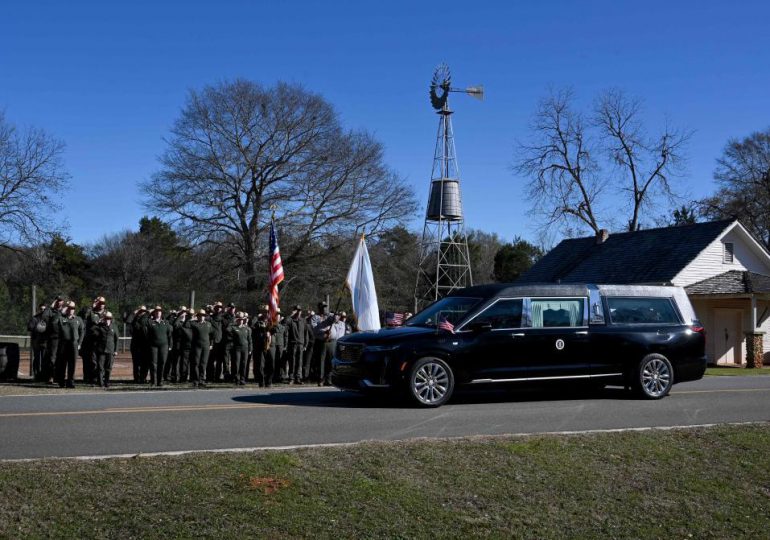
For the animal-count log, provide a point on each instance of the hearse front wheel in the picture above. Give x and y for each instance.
(654, 377)
(430, 383)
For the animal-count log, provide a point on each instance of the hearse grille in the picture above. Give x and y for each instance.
(349, 353)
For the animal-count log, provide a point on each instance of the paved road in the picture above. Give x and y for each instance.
(86, 424)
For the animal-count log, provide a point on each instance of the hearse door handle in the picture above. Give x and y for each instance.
(518, 334)
(581, 333)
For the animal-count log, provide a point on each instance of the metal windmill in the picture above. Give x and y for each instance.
(444, 263)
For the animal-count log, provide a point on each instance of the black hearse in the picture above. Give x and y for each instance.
(644, 337)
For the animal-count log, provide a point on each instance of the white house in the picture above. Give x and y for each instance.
(723, 268)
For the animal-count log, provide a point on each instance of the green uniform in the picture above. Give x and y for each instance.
(104, 341)
(307, 356)
(297, 333)
(203, 336)
(183, 336)
(51, 319)
(90, 318)
(228, 322)
(263, 338)
(240, 340)
(281, 358)
(171, 367)
(71, 333)
(37, 333)
(139, 352)
(214, 367)
(158, 339)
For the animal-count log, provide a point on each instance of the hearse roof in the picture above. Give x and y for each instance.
(562, 289)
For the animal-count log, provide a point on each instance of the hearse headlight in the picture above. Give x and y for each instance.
(381, 348)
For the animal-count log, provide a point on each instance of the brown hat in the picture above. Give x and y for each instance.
(108, 315)
(157, 308)
(142, 308)
(217, 304)
(71, 304)
(100, 300)
(183, 308)
(202, 312)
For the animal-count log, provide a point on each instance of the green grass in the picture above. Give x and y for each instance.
(695, 483)
(737, 371)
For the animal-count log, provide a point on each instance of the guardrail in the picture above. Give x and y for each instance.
(24, 342)
(25, 345)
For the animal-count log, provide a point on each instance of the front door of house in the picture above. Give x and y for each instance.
(727, 336)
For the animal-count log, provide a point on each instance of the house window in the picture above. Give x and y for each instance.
(729, 250)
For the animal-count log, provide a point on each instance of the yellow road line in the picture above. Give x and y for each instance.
(125, 410)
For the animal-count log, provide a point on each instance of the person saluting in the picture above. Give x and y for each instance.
(158, 332)
(203, 336)
(104, 339)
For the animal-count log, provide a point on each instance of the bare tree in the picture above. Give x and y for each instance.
(743, 176)
(239, 150)
(31, 173)
(643, 165)
(483, 247)
(565, 185)
(573, 163)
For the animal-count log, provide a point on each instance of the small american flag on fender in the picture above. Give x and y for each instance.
(446, 325)
(394, 319)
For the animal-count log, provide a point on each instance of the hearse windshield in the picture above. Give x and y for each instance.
(451, 308)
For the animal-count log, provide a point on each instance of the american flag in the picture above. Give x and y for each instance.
(446, 325)
(394, 319)
(276, 274)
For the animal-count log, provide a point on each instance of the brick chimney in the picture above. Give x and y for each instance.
(601, 236)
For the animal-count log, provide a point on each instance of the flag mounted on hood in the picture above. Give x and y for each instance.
(360, 282)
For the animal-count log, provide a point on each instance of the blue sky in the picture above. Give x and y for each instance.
(109, 78)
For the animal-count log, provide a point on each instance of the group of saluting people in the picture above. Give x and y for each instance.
(214, 344)
(59, 333)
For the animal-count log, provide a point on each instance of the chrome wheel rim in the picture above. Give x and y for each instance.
(656, 377)
(431, 383)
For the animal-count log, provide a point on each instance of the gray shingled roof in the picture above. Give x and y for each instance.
(647, 256)
(732, 282)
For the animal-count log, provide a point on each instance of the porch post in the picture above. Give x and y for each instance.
(754, 349)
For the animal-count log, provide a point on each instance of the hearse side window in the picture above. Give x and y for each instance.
(502, 314)
(641, 311)
(557, 312)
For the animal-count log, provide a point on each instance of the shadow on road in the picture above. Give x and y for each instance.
(336, 398)
(331, 398)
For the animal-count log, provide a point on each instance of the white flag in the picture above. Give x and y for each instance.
(360, 281)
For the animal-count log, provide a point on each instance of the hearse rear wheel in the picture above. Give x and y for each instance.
(430, 383)
(654, 377)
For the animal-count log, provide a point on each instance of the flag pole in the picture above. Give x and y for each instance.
(273, 315)
(344, 282)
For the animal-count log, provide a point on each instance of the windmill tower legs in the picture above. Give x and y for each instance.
(444, 263)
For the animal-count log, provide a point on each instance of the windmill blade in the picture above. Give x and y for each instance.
(476, 91)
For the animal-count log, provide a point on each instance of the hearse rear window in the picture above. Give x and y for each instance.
(642, 311)
(557, 312)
